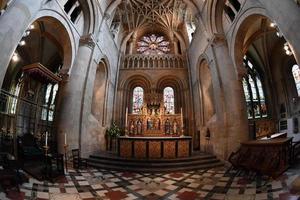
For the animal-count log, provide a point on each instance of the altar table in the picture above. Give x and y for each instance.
(154, 147)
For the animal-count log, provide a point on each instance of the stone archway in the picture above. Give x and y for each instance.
(258, 48)
(32, 100)
(100, 93)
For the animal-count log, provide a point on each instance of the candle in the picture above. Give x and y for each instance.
(181, 116)
(46, 142)
(126, 117)
(65, 138)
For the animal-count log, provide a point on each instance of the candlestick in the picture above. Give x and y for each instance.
(182, 126)
(126, 117)
(46, 160)
(181, 116)
(66, 161)
(46, 150)
(65, 138)
(46, 140)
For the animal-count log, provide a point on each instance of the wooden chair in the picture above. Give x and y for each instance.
(295, 151)
(77, 160)
(54, 167)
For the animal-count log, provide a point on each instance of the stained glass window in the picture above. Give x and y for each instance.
(296, 75)
(49, 102)
(169, 102)
(254, 92)
(153, 44)
(14, 99)
(137, 101)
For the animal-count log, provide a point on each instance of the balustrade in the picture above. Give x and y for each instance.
(138, 61)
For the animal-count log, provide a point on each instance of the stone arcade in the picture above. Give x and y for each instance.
(134, 91)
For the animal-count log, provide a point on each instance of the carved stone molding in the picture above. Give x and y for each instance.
(218, 39)
(87, 40)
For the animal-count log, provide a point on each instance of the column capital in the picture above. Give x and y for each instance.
(217, 39)
(87, 40)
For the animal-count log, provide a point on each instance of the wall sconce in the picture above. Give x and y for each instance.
(278, 32)
(15, 57)
(287, 49)
(294, 100)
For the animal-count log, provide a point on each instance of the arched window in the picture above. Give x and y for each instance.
(169, 101)
(153, 45)
(14, 99)
(296, 75)
(137, 100)
(254, 92)
(49, 102)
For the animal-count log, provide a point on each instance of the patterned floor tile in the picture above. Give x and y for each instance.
(201, 184)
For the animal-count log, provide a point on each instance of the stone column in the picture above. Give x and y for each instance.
(72, 93)
(13, 24)
(232, 100)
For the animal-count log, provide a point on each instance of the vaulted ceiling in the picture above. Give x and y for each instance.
(167, 14)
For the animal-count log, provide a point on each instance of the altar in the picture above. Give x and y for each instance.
(153, 118)
(154, 130)
(155, 147)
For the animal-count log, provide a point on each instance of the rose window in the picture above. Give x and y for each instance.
(153, 44)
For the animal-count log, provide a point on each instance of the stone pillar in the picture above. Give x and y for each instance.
(232, 100)
(72, 93)
(13, 24)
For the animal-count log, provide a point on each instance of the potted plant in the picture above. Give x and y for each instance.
(112, 133)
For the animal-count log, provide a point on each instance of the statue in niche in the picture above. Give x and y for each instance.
(167, 127)
(131, 127)
(144, 110)
(157, 124)
(139, 126)
(149, 124)
(175, 127)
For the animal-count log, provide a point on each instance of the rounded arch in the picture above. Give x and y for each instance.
(169, 81)
(177, 85)
(236, 45)
(91, 16)
(137, 80)
(67, 35)
(99, 99)
(215, 16)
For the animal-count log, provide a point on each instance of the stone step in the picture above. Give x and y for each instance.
(110, 161)
(111, 156)
(156, 170)
(155, 164)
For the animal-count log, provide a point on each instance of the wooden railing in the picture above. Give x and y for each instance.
(138, 61)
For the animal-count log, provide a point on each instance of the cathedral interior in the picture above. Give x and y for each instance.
(150, 99)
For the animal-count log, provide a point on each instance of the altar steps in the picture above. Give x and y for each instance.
(196, 161)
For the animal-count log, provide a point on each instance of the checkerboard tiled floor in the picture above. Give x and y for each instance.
(203, 184)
